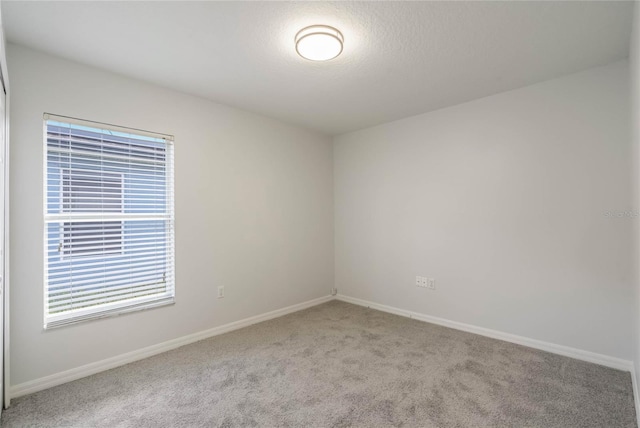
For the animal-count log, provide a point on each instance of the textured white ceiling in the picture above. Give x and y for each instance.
(399, 59)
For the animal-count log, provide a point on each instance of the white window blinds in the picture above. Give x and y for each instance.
(109, 224)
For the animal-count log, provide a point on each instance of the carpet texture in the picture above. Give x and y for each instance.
(340, 365)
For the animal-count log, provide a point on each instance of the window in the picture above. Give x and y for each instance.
(109, 225)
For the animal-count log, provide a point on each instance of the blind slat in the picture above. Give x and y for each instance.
(114, 295)
(121, 289)
(95, 277)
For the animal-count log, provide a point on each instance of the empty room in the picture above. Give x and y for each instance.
(320, 214)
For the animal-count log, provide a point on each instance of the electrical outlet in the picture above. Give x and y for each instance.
(221, 292)
(334, 291)
(424, 282)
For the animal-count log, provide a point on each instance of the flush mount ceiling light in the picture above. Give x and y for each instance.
(319, 42)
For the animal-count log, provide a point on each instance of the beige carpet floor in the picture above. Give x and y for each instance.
(340, 365)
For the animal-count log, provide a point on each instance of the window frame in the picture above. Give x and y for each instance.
(138, 303)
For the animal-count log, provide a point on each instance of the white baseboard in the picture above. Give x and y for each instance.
(120, 360)
(578, 354)
(636, 397)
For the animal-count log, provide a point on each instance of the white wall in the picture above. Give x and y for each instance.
(254, 212)
(502, 200)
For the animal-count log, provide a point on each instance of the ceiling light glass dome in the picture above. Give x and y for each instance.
(319, 42)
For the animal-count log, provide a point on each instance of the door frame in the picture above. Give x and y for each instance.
(4, 331)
